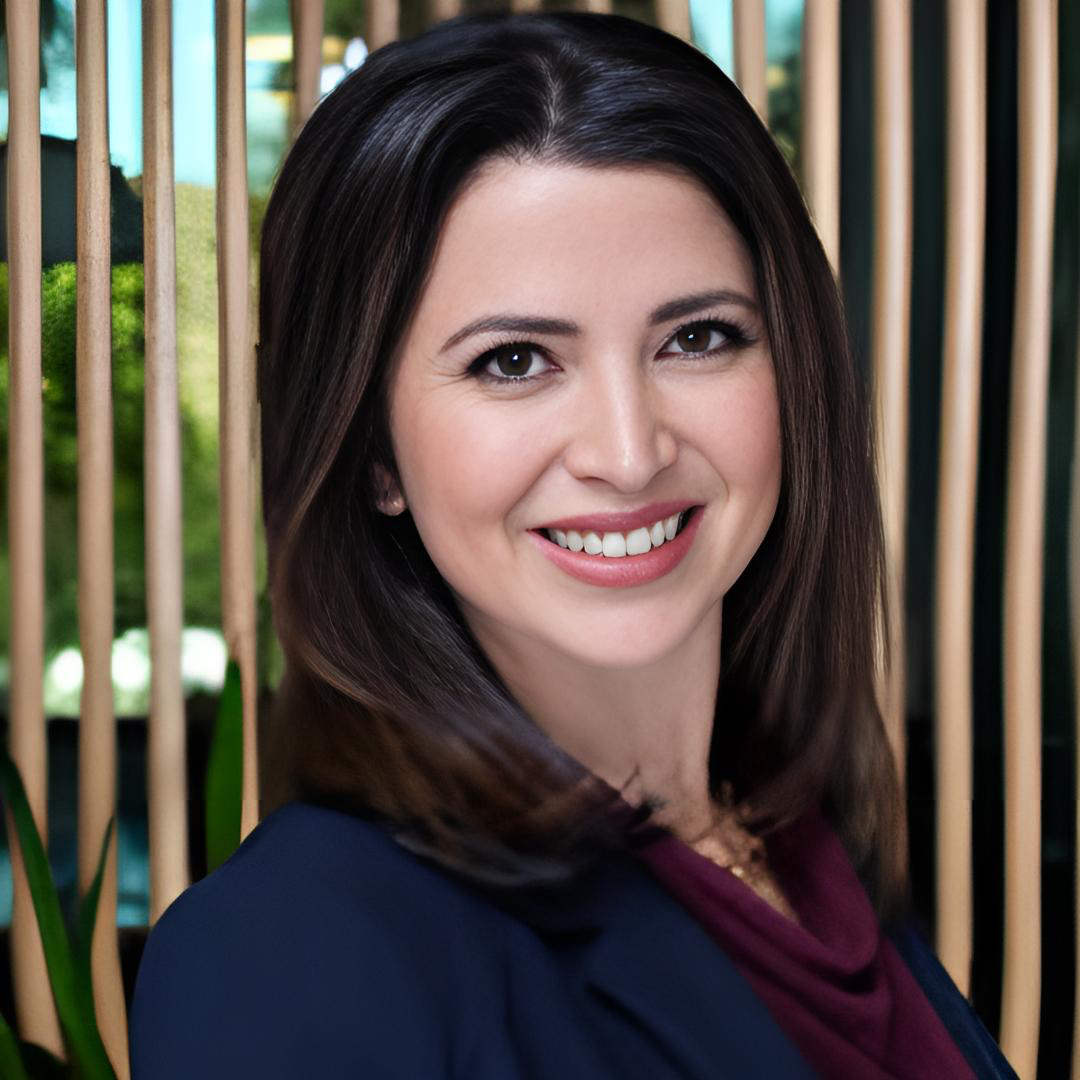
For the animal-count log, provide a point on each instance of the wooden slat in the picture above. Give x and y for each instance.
(674, 17)
(526, 5)
(601, 7)
(821, 121)
(167, 795)
(965, 215)
(889, 325)
(445, 9)
(307, 28)
(1024, 533)
(1074, 628)
(93, 364)
(35, 1012)
(748, 31)
(383, 22)
(236, 384)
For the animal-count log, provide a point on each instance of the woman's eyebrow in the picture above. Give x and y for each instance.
(539, 324)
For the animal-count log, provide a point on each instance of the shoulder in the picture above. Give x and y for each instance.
(320, 947)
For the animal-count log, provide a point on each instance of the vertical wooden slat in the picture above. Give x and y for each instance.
(748, 31)
(167, 795)
(1074, 627)
(383, 22)
(601, 7)
(35, 1011)
(821, 121)
(674, 17)
(965, 210)
(526, 5)
(889, 325)
(1024, 535)
(93, 356)
(445, 9)
(307, 28)
(236, 384)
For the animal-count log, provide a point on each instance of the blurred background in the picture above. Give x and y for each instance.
(269, 85)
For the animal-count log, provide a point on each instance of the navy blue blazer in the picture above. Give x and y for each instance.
(324, 949)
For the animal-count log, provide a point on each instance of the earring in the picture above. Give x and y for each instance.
(392, 503)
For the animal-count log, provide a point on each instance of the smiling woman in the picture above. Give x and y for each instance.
(619, 412)
(576, 559)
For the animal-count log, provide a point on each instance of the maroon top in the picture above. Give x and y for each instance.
(835, 984)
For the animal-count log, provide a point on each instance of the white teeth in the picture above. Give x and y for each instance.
(615, 545)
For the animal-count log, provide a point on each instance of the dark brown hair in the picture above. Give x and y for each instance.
(388, 707)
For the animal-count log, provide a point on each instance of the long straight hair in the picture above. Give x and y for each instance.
(388, 707)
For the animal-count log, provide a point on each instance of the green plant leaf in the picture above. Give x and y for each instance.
(77, 1021)
(11, 1061)
(85, 928)
(225, 772)
(41, 1065)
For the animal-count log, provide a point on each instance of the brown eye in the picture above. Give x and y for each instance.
(694, 338)
(512, 361)
(506, 364)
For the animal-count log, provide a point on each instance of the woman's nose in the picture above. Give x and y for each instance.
(618, 428)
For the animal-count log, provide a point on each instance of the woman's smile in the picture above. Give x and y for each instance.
(617, 560)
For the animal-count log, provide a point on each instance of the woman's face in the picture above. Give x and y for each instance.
(606, 406)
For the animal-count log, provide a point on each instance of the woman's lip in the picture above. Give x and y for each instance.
(630, 569)
(625, 521)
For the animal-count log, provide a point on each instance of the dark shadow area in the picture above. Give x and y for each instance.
(58, 177)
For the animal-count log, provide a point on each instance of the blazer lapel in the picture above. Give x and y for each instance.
(656, 972)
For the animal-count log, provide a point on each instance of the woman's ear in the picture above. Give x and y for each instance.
(389, 497)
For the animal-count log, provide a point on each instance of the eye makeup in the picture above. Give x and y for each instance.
(737, 336)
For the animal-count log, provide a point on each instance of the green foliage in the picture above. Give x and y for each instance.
(225, 773)
(60, 432)
(197, 355)
(23, 1060)
(41, 1065)
(198, 420)
(344, 18)
(68, 967)
(56, 41)
(11, 1062)
(267, 17)
(785, 109)
(128, 345)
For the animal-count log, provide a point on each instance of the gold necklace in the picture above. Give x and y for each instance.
(727, 843)
(741, 853)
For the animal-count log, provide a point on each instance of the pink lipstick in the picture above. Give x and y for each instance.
(629, 569)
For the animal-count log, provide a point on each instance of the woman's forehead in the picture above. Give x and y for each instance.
(556, 197)
(559, 235)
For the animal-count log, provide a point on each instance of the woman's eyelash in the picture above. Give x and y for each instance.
(737, 336)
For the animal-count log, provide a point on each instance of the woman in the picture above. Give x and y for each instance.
(574, 551)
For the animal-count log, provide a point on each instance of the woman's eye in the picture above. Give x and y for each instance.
(512, 361)
(695, 337)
